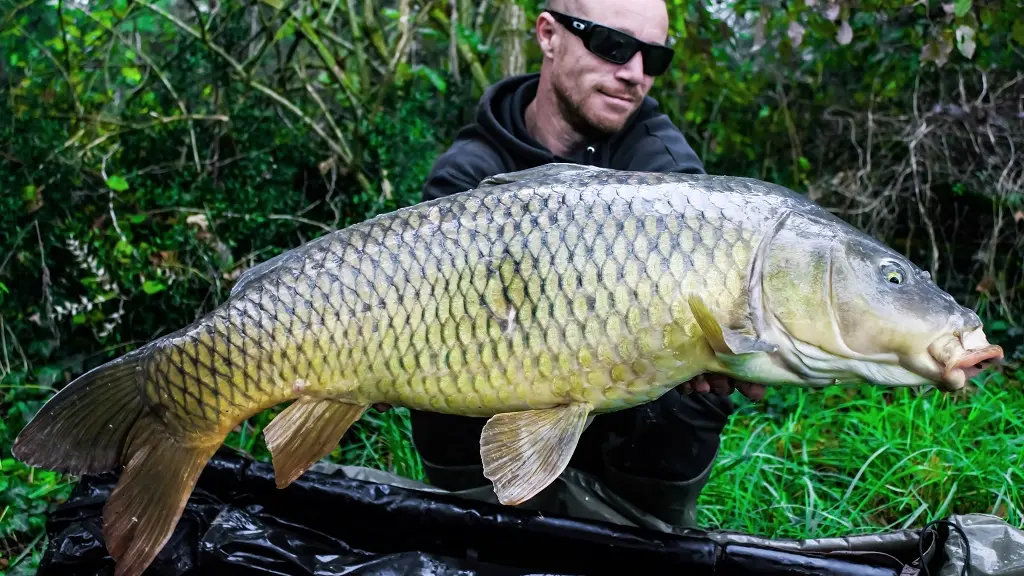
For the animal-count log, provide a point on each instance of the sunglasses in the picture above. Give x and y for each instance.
(616, 46)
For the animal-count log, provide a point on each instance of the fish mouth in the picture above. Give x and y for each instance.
(963, 356)
(974, 362)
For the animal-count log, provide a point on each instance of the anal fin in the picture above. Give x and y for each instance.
(722, 339)
(524, 452)
(305, 432)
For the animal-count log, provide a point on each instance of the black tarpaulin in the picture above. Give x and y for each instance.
(338, 520)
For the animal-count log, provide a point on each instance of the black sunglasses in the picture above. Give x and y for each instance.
(616, 46)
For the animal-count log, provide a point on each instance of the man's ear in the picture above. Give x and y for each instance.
(545, 30)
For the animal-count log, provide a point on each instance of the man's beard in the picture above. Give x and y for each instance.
(572, 111)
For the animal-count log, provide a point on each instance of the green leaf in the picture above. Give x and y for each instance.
(962, 7)
(1018, 32)
(105, 17)
(132, 74)
(153, 286)
(123, 248)
(997, 326)
(57, 43)
(47, 375)
(286, 31)
(117, 183)
(434, 78)
(987, 17)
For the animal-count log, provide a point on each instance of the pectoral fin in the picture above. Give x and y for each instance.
(524, 452)
(305, 432)
(725, 340)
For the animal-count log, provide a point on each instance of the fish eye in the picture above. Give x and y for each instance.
(892, 273)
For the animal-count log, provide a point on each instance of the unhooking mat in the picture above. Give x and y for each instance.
(349, 520)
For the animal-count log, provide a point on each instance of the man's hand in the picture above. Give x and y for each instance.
(723, 386)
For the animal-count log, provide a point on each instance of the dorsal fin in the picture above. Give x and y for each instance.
(294, 255)
(542, 171)
(257, 271)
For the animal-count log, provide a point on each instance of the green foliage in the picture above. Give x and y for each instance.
(151, 151)
(860, 460)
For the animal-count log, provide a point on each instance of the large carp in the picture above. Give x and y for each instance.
(539, 299)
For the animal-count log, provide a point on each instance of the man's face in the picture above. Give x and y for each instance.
(597, 96)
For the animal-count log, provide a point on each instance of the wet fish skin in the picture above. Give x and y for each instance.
(540, 299)
(469, 307)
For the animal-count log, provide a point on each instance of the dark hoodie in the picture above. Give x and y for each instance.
(499, 142)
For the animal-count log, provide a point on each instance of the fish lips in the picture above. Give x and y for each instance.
(960, 357)
(973, 362)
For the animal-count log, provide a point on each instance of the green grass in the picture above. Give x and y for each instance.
(840, 461)
(800, 463)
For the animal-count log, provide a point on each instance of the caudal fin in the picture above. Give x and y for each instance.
(101, 421)
(82, 429)
(147, 502)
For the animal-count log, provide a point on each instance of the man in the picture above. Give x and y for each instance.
(589, 105)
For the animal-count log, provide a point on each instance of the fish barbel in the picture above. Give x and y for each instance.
(538, 300)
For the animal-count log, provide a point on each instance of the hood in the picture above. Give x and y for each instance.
(501, 113)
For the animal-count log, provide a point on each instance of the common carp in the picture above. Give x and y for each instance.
(537, 300)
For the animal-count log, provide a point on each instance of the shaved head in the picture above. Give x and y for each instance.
(593, 96)
(565, 6)
(632, 17)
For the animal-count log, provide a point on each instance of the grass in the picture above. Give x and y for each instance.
(841, 461)
(800, 463)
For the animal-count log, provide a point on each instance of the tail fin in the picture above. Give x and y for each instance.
(101, 421)
(82, 429)
(151, 494)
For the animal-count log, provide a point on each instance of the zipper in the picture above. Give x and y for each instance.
(589, 156)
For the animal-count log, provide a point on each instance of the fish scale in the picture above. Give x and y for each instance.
(544, 284)
(537, 300)
(507, 301)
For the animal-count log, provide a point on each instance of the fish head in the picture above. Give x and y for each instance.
(885, 305)
(843, 306)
